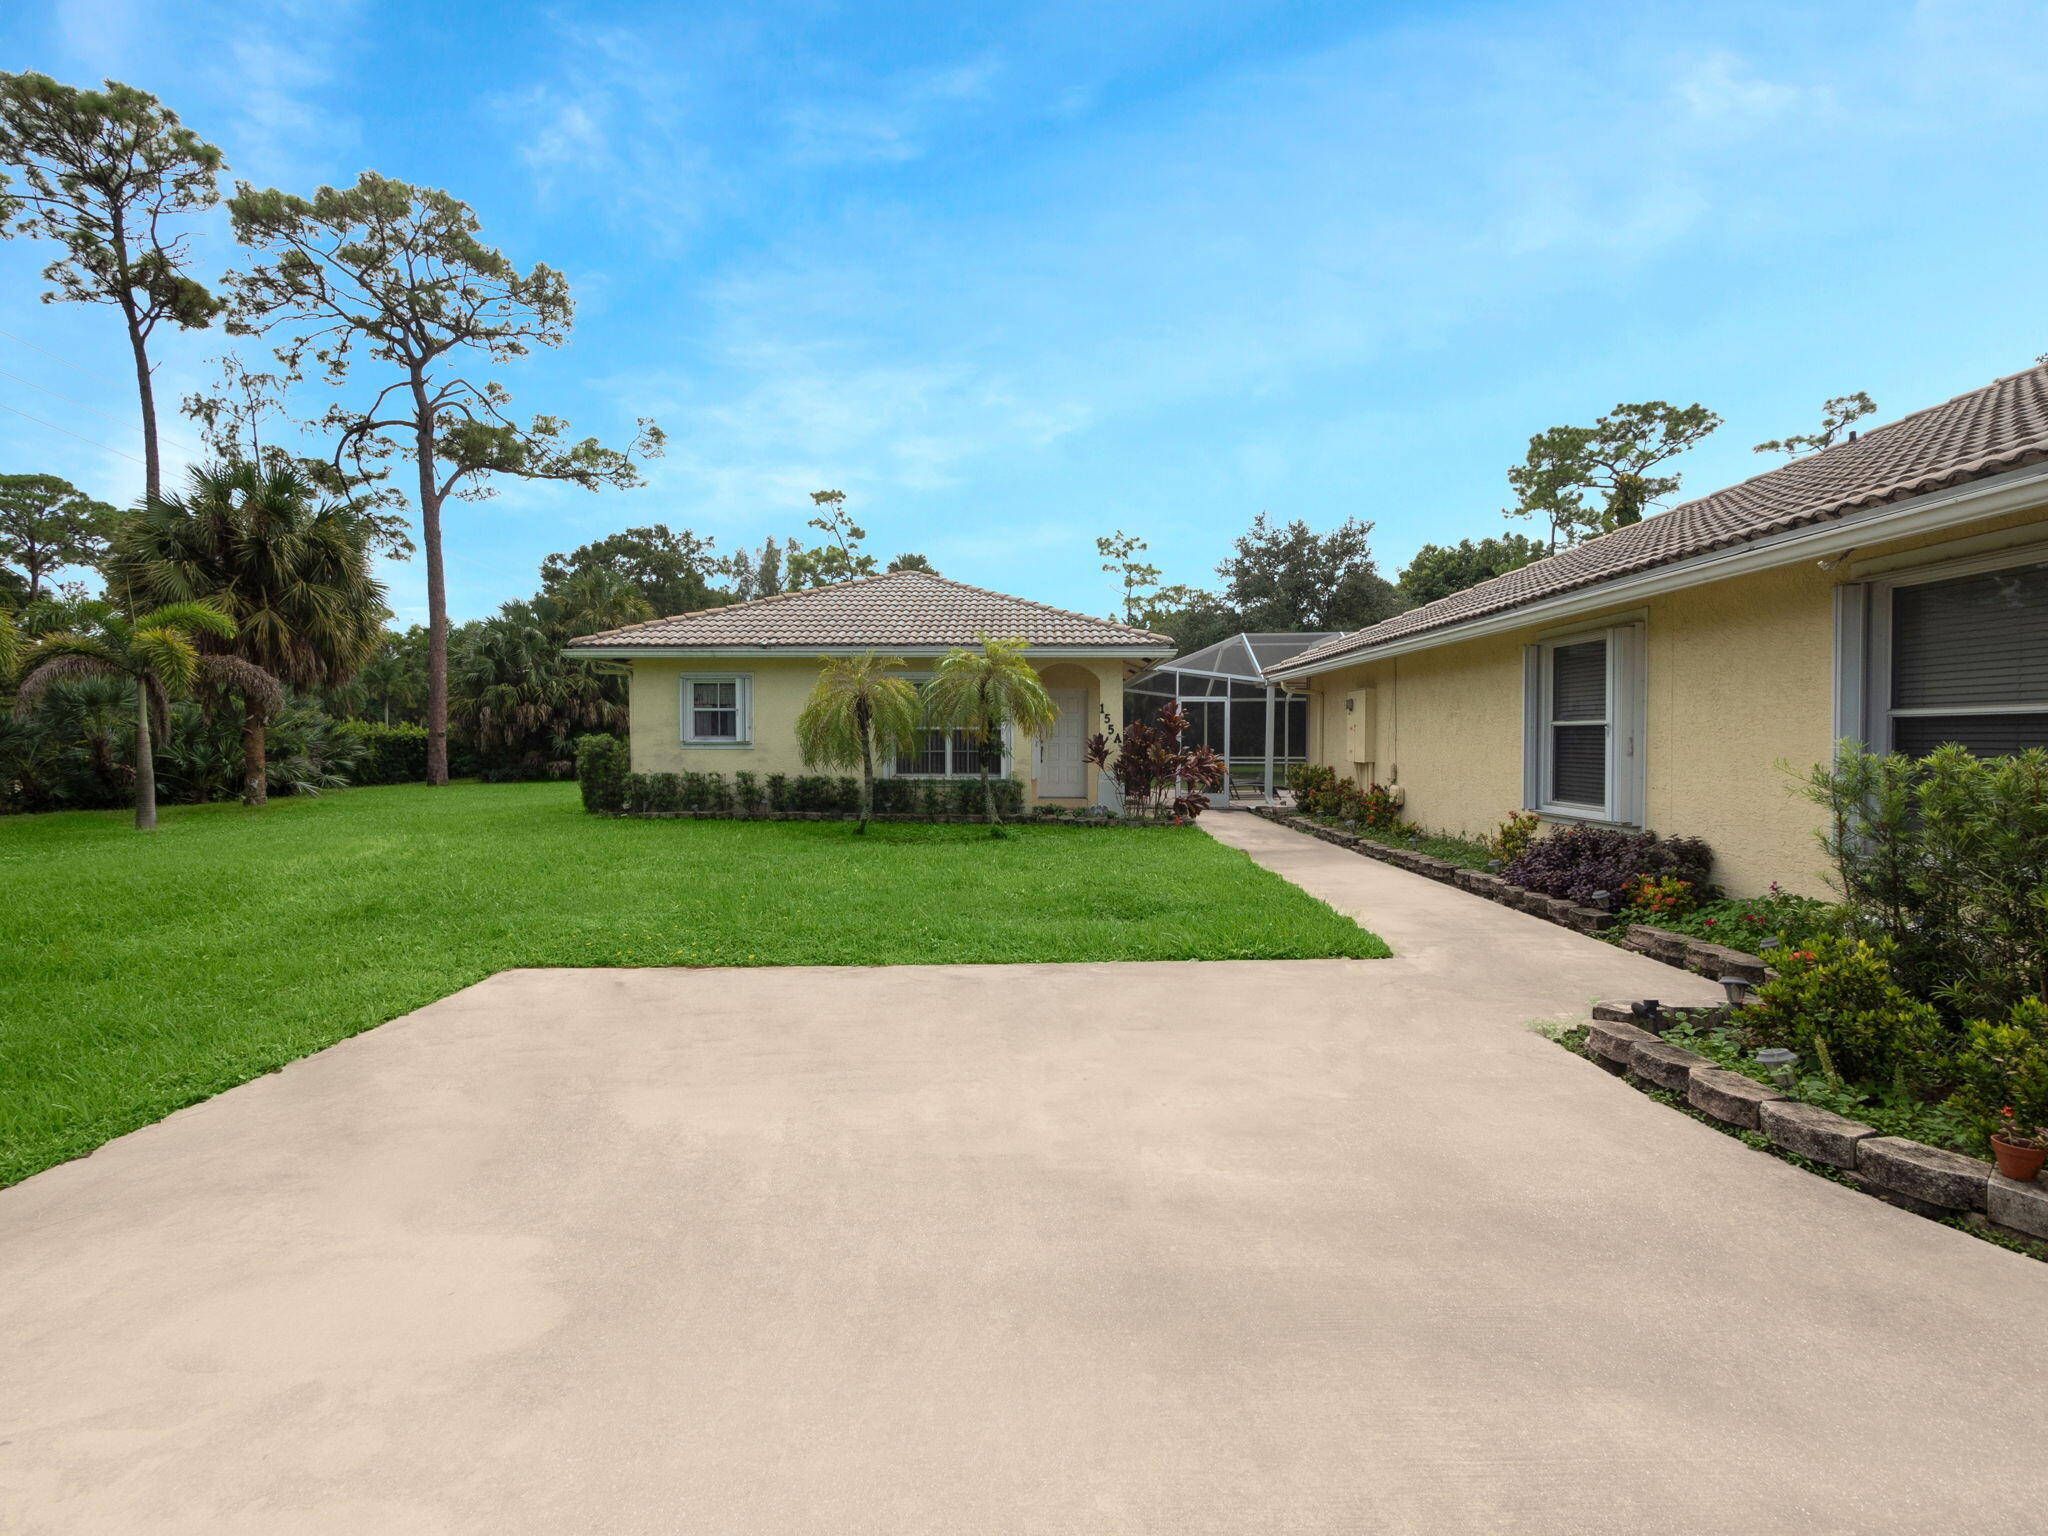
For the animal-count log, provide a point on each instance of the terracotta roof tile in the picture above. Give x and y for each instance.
(1999, 427)
(901, 609)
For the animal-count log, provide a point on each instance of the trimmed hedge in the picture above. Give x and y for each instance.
(387, 754)
(610, 788)
(601, 773)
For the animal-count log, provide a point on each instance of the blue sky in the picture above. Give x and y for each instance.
(1015, 276)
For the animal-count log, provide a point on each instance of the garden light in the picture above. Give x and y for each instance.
(1780, 1061)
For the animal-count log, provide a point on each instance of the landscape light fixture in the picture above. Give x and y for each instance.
(1780, 1061)
(1737, 988)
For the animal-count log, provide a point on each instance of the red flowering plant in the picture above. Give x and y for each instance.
(1159, 774)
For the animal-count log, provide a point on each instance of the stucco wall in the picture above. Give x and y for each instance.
(780, 687)
(1740, 680)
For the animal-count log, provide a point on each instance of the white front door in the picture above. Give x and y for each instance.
(1062, 775)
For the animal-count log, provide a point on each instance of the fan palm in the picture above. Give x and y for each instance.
(857, 709)
(517, 699)
(981, 691)
(159, 655)
(290, 569)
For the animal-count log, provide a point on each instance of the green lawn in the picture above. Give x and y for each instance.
(140, 973)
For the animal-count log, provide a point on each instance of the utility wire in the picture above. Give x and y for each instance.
(64, 360)
(24, 415)
(162, 436)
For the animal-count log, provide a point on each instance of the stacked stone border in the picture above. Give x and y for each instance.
(1010, 818)
(1682, 950)
(1928, 1181)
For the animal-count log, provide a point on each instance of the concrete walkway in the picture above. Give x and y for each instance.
(1327, 1246)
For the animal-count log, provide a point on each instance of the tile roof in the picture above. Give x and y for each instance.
(898, 610)
(2002, 426)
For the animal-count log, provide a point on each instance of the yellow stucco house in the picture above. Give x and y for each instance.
(718, 691)
(1892, 588)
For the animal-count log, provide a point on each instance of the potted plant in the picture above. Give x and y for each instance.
(2020, 1152)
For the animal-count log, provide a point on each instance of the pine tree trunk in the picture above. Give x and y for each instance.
(138, 343)
(145, 762)
(152, 463)
(255, 764)
(437, 593)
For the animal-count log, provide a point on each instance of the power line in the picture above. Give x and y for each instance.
(64, 360)
(24, 415)
(162, 436)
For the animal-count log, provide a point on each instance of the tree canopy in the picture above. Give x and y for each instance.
(1438, 570)
(1611, 460)
(398, 273)
(671, 571)
(108, 175)
(1836, 417)
(1286, 576)
(1137, 579)
(47, 524)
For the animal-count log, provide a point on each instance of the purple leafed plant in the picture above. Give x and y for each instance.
(1576, 862)
(1158, 773)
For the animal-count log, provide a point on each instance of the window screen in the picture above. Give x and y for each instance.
(1970, 663)
(714, 711)
(1578, 724)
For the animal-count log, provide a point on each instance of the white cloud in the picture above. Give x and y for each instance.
(1724, 88)
(890, 123)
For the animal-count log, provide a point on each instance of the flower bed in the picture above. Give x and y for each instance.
(1701, 956)
(1930, 1180)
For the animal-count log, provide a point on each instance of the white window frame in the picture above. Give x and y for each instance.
(1863, 641)
(1624, 792)
(743, 709)
(889, 769)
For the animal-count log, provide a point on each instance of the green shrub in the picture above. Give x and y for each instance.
(386, 754)
(1946, 858)
(1319, 792)
(1511, 839)
(1742, 922)
(747, 794)
(602, 764)
(1836, 1001)
(2004, 1071)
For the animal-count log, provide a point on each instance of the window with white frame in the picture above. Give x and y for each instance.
(717, 709)
(1582, 753)
(1953, 652)
(947, 754)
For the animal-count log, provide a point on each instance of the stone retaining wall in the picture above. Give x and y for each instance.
(1010, 818)
(1926, 1180)
(1680, 949)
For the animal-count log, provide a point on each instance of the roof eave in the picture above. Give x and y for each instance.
(1132, 652)
(2012, 491)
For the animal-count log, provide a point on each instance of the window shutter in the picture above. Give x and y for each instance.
(1532, 727)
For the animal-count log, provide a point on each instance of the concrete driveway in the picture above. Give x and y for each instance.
(1327, 1246)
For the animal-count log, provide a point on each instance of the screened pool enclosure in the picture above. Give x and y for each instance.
(1255, 726)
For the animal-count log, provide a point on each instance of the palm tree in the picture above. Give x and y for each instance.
(290, 569)
(10, 645)
(855, 710)
(158, 654)
(981, 692)
(517, 699)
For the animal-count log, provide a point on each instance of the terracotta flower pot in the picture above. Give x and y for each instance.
(2022, 1163)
